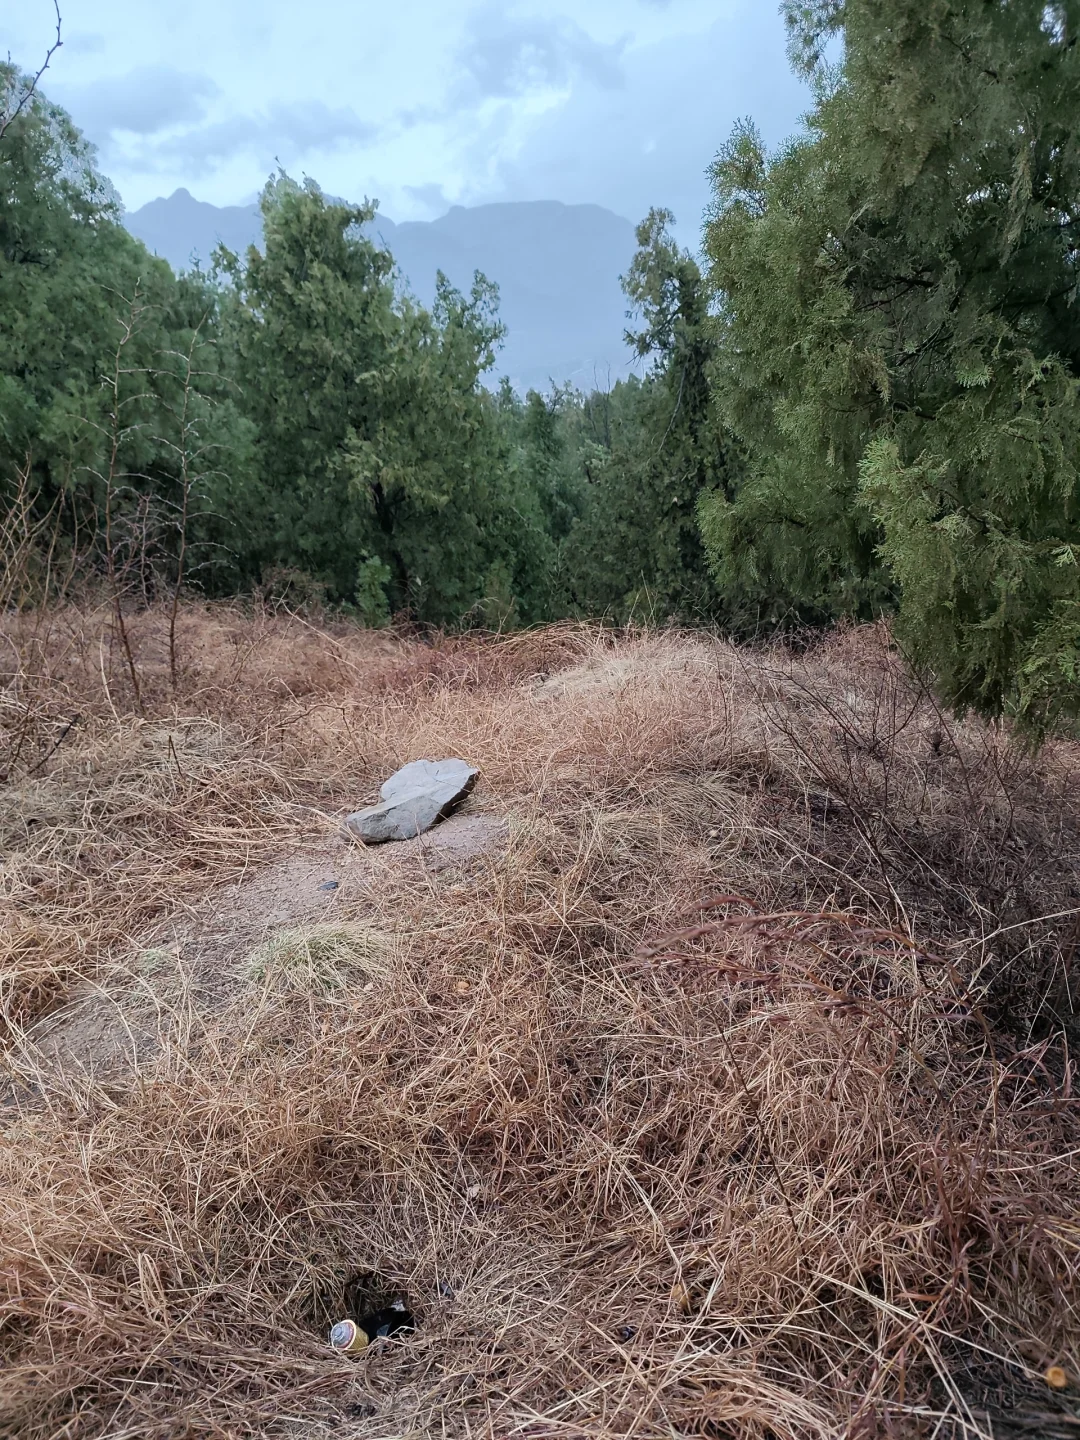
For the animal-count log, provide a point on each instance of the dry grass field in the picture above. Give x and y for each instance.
(711, 1074)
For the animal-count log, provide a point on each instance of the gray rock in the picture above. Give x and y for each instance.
(413, 799)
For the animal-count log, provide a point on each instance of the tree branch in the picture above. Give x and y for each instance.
(27, 95)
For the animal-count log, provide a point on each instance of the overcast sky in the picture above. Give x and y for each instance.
(419, 103)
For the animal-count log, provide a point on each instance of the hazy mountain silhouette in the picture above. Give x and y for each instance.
(183, 229)
(557, 267)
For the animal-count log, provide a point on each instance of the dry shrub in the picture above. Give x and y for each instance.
(969, 836)
(695, 1113)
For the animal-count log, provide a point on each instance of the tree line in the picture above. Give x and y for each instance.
(862, 400)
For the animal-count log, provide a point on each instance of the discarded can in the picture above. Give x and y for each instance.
(352, 1336)
(348, 1337)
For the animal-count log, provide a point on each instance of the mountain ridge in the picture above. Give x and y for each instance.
(557, 267)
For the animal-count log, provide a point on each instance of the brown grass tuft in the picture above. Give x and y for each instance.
(730, 1096)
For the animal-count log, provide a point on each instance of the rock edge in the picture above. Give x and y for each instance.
(413, 800)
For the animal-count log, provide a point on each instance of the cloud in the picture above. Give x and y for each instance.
(431, 196)
(283, 132)
(650, 142)
(156, 118)
(505, 56)
(145, 101)
(84, 42)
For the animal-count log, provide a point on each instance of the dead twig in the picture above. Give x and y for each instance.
(9, 115)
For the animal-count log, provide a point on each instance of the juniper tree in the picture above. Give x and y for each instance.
(380, 461)
(898, 301)
(90, 432)
(637, 550)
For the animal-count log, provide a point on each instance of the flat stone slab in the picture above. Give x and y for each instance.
(413, 799)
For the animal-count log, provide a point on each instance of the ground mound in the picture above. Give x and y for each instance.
(708, 1075)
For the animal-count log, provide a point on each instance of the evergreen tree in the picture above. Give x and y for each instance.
(110, 408)
(380, 459)
(544, 492)
(898, 295)
(789, 542)
(638, 550)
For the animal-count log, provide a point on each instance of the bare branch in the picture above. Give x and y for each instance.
(27, 95)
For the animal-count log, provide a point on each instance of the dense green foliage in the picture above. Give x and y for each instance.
(899, 342)
(638, 549)
(107, 361)
(618, 473)
(868, 401)
(296, 421)
(379, 459)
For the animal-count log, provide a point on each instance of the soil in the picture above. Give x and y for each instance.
(192, 964)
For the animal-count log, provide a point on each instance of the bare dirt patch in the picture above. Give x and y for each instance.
(194, 963)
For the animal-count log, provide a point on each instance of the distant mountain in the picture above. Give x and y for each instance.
(557, 267)
(183, 229)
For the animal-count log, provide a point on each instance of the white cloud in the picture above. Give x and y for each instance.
(506, 55)
(144, 101)
(84, 42)
(651, 142)
(283, 132)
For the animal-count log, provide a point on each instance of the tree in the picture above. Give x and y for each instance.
(900, 344)
(17, 90)
(788, 542)
(93, 335)
(545, 489)
(380, 460)
(637, 549)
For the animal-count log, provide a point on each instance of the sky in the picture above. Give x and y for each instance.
(421, 104)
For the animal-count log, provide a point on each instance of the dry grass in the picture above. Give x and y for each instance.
(732, 1100)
